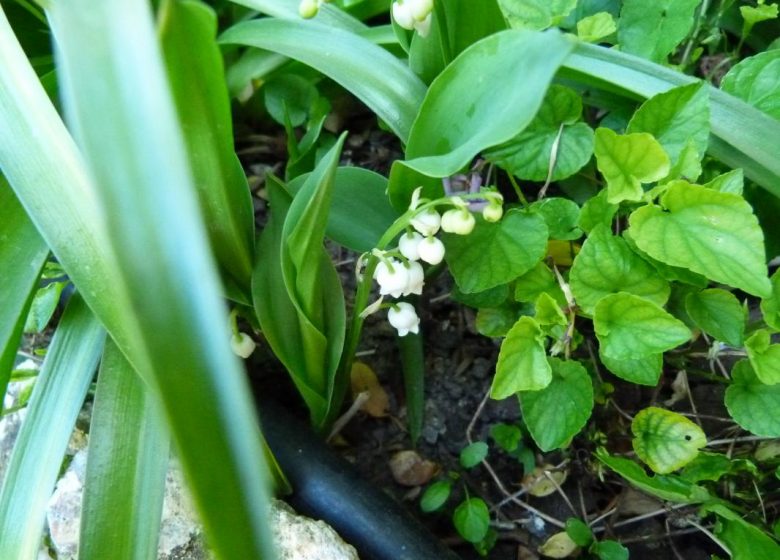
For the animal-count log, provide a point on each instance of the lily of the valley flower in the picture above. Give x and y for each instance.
(416, 278)
(408, 245)
(494, 209)
(242, 345)
(458, 220)
(431, 250)
(403, 317)
(414, 14)
(427, 222)
(392, 277)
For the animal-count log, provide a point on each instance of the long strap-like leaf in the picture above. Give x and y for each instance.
(51, 414)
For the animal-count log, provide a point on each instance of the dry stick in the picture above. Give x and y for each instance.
(744, 439)
(560, 491)
(582, 501)
(647, 538)
(671, 541)
(636, 519)
(760, 500)
(344, 419)
(707, 532)
(690, 398)
(497, 480)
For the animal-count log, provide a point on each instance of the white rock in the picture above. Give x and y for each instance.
(300, 538)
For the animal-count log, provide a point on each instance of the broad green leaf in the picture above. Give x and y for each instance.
(507, 436)
(473, 454)
(709, 232)
(609, 550)
(743, 540)
(366, 70)
(770, 306)
(653, 29)
(579, 532)
(707, 466)
(289, 96)
(43, 306)
(495, 90)
(51, 414)
(472, 519)
(496, 253)
(718, 313)
(764, 356)
(756, 80)
(631, 327)
(435, 496)
(548, 312)
(687, 167)
(596, 27)
(665, 440)
(495, 322)
(606, 265)
(675, 118)
(670, 488)
(751, 403)
(129, 448)
(359, 210)
(22, 256)
(670, 273)
(756, 14)
(404, 180)
(492, 297)
(597, 211)
(522, 363)
(558, 412)
(561, 216)
(730, 182)
(627, 161)
(193, 60)
(537, 281)
(535, 14)
(554, 132)
(642, 371)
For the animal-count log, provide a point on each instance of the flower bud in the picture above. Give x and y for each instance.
(403, 15)
(420, 9)
(492, 212)
(307, 9)
(416, 279)
(431, 250)
(458, 220)
(408, 245)
(242, 345)
(392, 277)
(403, 317)
(427, 222)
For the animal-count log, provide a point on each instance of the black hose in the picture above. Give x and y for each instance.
(327, 487)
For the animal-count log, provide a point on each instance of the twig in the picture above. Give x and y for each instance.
(760, 500)
(344, 419)
(744, 439)
(560, 491)
(707, 532)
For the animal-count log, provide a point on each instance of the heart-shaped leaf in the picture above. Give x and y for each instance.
(756, 79)
(718, 313)
(764, 356)
(642, 371)
(522, 363)
(665, 440)
(472, 519)
(709, 232)
(653, 29)
(751, 403)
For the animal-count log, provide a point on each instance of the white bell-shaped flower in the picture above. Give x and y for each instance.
(458, 220)
(420, 9)
(427, 222)
(242, 345)
(403, 15)
(408, 245)
(416, 278)
(492, 212)
(403, 317)
(431, 250)
(392, 277)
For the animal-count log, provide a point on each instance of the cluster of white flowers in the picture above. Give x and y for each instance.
(414, 15)
(399, 272)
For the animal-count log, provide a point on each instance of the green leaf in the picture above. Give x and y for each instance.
(718, 313)
(473, 454)
(366, 70)
(57, 398)
(743, 540)
(359, 210)
(756, 80)
(627, 161)
(522, 364)
(709, 232)
(548, 312)
(495, 91)
(492, 297)
(435, 496)
(606, 265)
(596, 27)
(730, 182)
(579, 532)
(21, 244)
(507, 436)
(770, 306)
(289, 96)
(495, 322)
(537, 281)
(43, 306)
(472, 519)
(496, 253)
(193, 60)
(597, 211)
(558, 412)
(665, 440)
(411, 350)
(555, 128)
(756, 14)
(687, 167)
(128, 458)
(561, 216)
(653, 29)
(671, 273)
(707, 466)
(609, 550)
(642, 371)
(671, 488)
(535, 14)
(630, 327)
(764, 356)
(675, 118)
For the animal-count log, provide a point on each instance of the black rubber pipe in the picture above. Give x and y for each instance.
(327, 487)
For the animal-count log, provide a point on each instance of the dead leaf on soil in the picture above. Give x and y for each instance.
(538, 484)
(409, 469)
(364, 380)
(680, 388)
(633, 502)
(559, 545)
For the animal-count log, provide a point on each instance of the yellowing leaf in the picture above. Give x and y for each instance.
(559, 545)
(364, 380)
(665, 440)
(538, 484)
